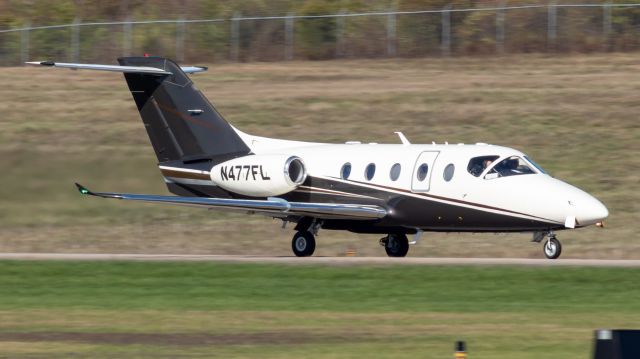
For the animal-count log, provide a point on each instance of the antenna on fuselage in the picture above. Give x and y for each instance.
(403, 138)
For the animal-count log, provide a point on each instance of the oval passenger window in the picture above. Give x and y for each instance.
(345, 171)
(423, 170)
(395, 172)
(370, 171)
(448, 172)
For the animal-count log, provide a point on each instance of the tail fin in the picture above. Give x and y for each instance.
(181, 123)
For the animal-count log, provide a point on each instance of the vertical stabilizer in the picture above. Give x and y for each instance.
(181, 123)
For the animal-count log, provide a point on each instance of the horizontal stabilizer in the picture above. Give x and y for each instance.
(193, 69)
(275, 207)
(113, 68)
(118, 68)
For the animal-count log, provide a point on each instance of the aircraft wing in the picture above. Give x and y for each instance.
(276, 207)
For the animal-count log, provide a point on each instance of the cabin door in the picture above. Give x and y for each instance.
(421, 179)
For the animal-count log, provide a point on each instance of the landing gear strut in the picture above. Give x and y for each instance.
(395, 244)
(303, 244)
(552, 247)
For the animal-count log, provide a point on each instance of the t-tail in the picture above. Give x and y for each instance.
(187, 133)
(181, 123)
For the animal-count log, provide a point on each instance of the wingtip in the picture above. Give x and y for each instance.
(82, 189)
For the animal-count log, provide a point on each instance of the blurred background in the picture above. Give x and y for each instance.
(557, 80)
(258, 30)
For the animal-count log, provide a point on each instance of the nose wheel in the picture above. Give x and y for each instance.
(552, 247)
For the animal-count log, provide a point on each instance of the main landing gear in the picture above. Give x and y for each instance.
(303, 243)
(395, 244)
(552, 247)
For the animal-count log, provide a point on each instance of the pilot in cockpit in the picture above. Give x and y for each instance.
(478, 165)
(512, 165)
(485, 164)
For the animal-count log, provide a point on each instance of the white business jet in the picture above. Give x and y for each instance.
(391, 189)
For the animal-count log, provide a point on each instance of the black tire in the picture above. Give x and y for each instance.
(303, 244)
(552, 248)
(397, 245)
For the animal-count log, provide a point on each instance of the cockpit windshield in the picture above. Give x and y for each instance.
(534, 164)
(512, 166)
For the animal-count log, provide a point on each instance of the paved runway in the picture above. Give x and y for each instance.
(322, 260)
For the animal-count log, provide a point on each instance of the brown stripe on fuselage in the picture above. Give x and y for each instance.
(184, 174)
(450, 199)
(306, 189)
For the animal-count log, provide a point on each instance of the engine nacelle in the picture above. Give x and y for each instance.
(260, 175)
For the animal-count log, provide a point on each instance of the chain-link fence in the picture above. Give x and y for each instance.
(445, 32)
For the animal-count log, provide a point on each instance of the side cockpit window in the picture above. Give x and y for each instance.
(512, 166)
(477, 165)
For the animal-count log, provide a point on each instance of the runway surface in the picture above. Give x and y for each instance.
(322, 260)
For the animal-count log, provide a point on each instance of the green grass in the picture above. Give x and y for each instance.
(279, 311)
(204, 286)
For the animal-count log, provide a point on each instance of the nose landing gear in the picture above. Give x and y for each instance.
(552, 247)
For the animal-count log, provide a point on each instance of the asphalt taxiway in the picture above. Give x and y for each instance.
(324, 260)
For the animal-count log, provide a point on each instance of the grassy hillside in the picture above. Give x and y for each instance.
(577, 116)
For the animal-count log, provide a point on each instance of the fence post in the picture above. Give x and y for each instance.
(500, 29)
(127, 44)
(288, 37)
(235, 37)
(340, 33)
(75, 40)
(606, 25)
(24, 43)
(446, 31)
(180, 24)
(391, 34)
(552, 25)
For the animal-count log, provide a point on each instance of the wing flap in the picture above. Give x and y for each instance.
(272, 206)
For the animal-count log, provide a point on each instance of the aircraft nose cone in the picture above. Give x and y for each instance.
(590, 211)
